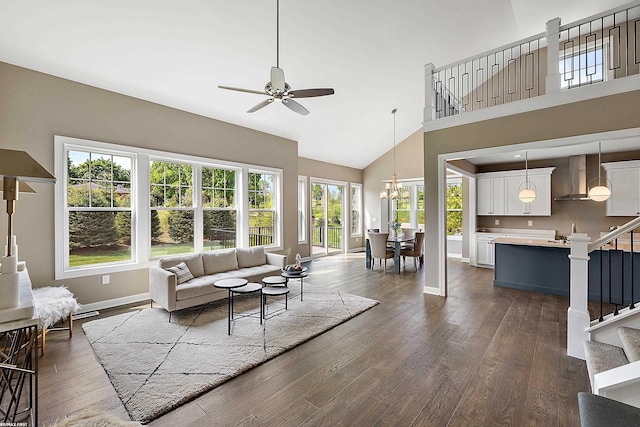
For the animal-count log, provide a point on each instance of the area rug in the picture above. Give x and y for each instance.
(156, 366)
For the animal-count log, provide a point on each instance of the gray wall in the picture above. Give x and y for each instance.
(34, 107)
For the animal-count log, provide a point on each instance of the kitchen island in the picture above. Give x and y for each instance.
(538, 265)
(544, 266)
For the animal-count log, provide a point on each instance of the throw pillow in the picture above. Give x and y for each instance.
(182, 272)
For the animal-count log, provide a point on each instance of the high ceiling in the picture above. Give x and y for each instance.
(372, 52)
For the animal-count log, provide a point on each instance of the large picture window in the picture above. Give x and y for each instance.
(172, 212)
(98, 208)
(119, 208)
(262, 209)
(219, 208)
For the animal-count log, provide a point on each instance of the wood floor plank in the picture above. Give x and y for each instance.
(484, 355)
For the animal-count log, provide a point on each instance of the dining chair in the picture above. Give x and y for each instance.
(379, 249)
(409, 233)
(415, 252)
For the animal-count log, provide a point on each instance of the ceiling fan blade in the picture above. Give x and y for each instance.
(260, 105)
(277, 79)
(244, 90)
(294, 106)
(310, 93)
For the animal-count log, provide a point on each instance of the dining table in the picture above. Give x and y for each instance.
(397, 246)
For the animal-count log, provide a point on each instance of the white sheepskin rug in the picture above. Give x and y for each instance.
(94, 418)
(53, 304)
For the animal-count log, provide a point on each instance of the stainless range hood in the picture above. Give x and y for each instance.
(577, 179)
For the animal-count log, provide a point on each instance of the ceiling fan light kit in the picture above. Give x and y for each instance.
(277, 88)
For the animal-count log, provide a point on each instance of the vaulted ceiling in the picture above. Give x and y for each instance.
(372, 52)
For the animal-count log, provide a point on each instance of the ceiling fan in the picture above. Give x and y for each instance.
(277, 88)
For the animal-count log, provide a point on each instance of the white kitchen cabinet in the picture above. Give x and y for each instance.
(497, 193)
(490, 195)
(541, 206)
(484, 251)
(624, 179)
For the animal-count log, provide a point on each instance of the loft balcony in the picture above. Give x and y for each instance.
(596, 56)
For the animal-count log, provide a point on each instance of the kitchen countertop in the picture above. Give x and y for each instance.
(532, 242)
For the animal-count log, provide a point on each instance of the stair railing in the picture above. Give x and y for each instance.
(578, 319)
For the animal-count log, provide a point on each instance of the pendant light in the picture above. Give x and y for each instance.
(527, 194)
(393, 190)
(600, 192)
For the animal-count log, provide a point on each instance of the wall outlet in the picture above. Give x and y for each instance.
(105, 279)
(497, 222)
(530, 223)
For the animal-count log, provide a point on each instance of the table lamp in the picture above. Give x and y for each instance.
(16, 168)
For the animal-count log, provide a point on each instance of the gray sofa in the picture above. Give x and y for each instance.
(208, 267)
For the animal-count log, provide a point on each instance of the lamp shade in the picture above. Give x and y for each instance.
(19, 164)
(599, 193)
(527, 195)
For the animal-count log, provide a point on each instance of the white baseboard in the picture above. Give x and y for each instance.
(361, 249)
(464, 260)
(431, 291)
(101, 305)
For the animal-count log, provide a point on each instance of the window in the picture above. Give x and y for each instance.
(420, 206)
(262, 212)
(584, 67)
(219, 208)
(302, 209)
(118, 207)
(356, 210)
(98, 208)
(402, 208)
(172, 212)
(454, 207)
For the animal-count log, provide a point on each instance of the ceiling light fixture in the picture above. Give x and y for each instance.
(527, 194)
(600, 192)
(393, 189)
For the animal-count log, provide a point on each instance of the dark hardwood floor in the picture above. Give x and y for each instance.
(482, 356)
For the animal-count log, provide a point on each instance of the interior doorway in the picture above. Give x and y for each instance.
(327, 218)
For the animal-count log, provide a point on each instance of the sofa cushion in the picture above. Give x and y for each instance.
(219, 261)
(250, 257)
(196, 287)
(193, 261)
(182, 272)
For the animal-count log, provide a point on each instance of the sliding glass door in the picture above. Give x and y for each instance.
(327, 209)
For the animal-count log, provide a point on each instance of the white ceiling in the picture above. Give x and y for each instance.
(372, 52)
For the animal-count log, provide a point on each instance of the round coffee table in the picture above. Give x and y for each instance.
(229, 284)
(246, 289)
(299, 275)
(274, 280)
(273, 291)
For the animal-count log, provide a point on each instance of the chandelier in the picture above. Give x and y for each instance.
(393, 189)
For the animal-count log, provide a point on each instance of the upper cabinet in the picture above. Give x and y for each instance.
(497, 193)
(490, 195)
(624, 179)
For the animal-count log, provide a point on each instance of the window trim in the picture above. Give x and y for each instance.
(358, 186)
(140, 202)
(303, 209)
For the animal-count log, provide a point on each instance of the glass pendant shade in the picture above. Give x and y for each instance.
(599, 193)
(527, 195)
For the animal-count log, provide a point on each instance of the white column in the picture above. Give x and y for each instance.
(429, 98)
(553, 56)
(578, 314)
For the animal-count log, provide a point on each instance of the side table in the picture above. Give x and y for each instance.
(300, 276)
(229, 284)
